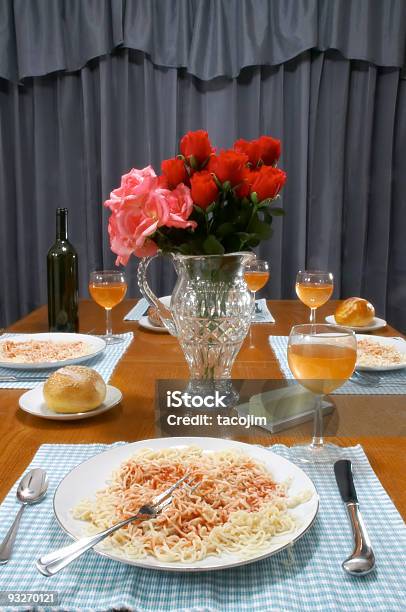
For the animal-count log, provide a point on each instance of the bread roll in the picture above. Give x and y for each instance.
(355, 312)
(74, 389)
(154, 317)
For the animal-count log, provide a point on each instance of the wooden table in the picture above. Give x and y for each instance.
(154, 356)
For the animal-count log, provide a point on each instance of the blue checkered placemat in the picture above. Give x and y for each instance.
(307, 577)
(104, 363)
(390, 383)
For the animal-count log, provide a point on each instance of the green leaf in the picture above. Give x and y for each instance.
(243, 236)
(252, 242)
(211, 207)
(277, 211)
(267, 215)
(219, 185)
(199, 210)
(261, 229)
(211, 246)
(243, 217)
(225, 229)
(264, 204)
(193, 162)
(232, 243)
(204, 164)
(186, 248)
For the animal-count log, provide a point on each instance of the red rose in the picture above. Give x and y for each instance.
(204, 189)
(251, 148)
(270, 149)
(196, 144)
(267, 182)
(174, 171)
(229, 166)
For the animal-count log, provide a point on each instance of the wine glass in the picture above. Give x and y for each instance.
(108, 288)
(256, 275)
(314, 288)
(321, 358)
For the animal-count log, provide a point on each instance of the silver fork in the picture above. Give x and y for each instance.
(10, 378)
(53, 562)
(364, 379)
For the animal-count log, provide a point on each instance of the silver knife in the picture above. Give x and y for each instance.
(362, 559)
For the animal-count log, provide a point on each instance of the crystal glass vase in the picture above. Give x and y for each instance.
(210, 312)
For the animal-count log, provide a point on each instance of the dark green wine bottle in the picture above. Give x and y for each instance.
(62, 273)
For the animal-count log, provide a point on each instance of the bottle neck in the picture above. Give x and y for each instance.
(62, 224)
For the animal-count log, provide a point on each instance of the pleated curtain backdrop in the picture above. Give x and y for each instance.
(66, 138)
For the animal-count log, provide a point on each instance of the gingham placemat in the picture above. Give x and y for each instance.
(308, 577)
(104, 363)
(137, 311)
(389, 383)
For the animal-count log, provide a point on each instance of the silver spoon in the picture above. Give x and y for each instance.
(32, 489)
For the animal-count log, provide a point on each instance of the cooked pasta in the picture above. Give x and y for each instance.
(237, 507)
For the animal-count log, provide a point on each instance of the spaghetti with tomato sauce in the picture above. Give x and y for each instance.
(237, 508)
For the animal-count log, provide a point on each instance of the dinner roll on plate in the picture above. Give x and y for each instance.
(74, 389)
(154, 317)
(355, 312)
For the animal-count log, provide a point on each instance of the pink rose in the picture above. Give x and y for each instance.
(135, 186)
(180, 208)
(125, 242)
(139, 207)
(154, 214)
(122, 241)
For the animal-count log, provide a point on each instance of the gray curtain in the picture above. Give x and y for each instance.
(210, 38)
(65, 140)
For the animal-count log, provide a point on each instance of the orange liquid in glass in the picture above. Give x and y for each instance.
(256, 280)
(314, 294)
(108, 295)
(321, 368)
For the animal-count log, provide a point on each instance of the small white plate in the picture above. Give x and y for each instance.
(146, 324)
(397, 343)
(33, 402)
(91, 475)
(376, 324)
(95, 344)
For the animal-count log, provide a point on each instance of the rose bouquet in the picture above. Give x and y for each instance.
(203, 202)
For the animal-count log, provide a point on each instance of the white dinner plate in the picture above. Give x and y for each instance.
(95, 344)
(146, 323)
(397, 343)
(377, 323)
(91, 475)
(33, 402)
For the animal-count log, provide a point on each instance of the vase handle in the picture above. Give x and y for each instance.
(164, 313)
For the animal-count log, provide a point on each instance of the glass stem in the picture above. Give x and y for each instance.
(252, 320)
(109, 331)
(313, 315)
(317, 440)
